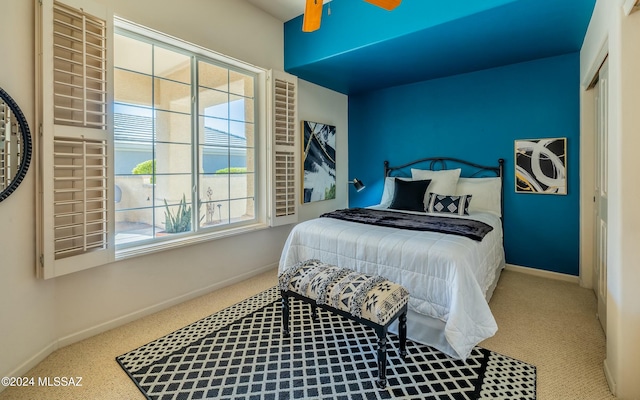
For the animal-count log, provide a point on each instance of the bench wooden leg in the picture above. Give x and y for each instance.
(402, 327)
(382, 358)
(285, 314)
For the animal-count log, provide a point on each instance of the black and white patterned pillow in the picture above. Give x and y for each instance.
(439, 203)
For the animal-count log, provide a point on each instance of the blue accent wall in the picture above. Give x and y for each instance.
(477, 116)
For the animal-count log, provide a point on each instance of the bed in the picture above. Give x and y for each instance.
(447, 249)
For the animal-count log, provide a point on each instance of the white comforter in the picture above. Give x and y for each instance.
(447, 276)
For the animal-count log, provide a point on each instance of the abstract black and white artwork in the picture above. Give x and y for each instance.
(541, 166)
(319, 149)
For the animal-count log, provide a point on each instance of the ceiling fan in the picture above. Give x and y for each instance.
(313, 12)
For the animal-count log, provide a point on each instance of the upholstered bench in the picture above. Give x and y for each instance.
(370, 300)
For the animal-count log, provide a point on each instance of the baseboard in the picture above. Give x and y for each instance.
(116, 322)
(609, 378)
(31, 362)
(543, 273)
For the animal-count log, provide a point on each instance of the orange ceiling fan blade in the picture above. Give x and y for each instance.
(312, 15)
(386, 4)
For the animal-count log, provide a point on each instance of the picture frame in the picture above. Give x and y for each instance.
(319, 161)
(541, 166)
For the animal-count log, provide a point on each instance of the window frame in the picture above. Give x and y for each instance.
(261, 145)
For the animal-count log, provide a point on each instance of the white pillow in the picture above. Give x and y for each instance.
(442, 182)
(389, 190)
(486, 193)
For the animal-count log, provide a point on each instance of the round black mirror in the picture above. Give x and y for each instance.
(15, 145)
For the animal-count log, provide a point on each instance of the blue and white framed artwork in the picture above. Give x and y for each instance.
(541, 166)
(319, 152)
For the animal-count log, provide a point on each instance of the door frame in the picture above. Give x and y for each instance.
(588, 167)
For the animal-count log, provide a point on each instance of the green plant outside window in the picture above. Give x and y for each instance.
(146, 168)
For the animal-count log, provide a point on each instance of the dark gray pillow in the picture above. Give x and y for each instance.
(409, 195)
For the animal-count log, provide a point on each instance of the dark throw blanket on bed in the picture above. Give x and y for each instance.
(475, 230)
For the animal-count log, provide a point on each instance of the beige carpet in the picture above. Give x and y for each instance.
(552, 325)
(548, 323)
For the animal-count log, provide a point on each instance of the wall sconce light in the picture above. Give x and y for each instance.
(357, 183)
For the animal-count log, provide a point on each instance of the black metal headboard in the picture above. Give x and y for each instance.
(469, 170)
(440, 163)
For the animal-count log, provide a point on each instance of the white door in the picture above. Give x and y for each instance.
(601, 194)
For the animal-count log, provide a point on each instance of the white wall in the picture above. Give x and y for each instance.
(38, 316)
(619, 35)
(27, 312)
(319, 104)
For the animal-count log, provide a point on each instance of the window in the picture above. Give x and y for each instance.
(148, 142)
(185, 141)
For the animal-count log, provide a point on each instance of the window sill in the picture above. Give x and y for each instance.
(184, 241)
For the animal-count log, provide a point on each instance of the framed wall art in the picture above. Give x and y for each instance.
(319, 152)
(541, 166)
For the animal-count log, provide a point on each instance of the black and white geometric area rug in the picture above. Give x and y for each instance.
(240, 353)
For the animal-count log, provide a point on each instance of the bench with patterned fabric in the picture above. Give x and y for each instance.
(370, 300)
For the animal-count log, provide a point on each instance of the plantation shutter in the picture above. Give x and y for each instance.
(285, 152)
(75, 153)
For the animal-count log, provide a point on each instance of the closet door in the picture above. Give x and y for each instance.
(601, 194)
